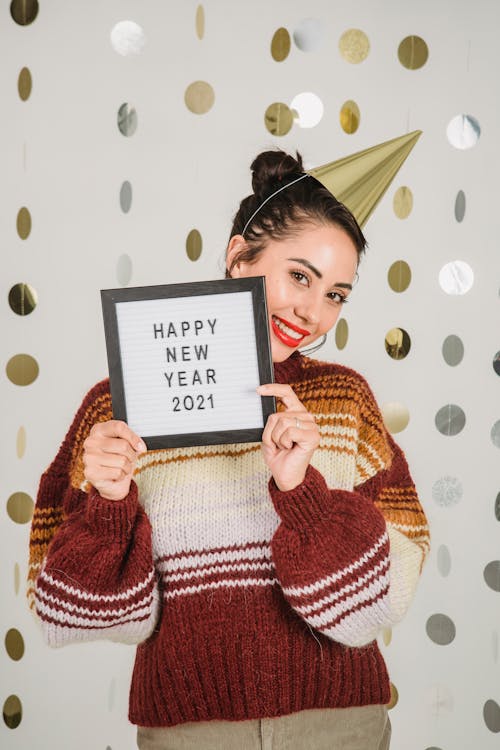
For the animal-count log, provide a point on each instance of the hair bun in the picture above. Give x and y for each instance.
(271, 169)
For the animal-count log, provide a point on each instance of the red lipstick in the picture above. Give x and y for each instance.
(279, 326)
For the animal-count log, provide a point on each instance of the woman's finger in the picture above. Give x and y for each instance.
(284, 393)
(118, 446)
(286, 428)
(115, 428)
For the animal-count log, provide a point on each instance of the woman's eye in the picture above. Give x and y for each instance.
(338, 297)
(300, 277)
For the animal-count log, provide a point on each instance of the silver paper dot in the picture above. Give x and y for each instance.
(308, 36)
(450, 420)
(456, 277)
(124, 269)
(127, 38)
(453, 350)
(496, 363)
(495, 434)
(460, 206)
(126, 197)
(444, 560)
(440, 629)
(492, 575)
(127, 119)
(447, 491)
(491, 714)
(463, 131)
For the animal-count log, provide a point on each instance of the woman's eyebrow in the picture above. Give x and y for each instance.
(341, 284)
(307, 265)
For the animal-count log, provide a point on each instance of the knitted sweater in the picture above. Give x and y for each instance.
(247, 602)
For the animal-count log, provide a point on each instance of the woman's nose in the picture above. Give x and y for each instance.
(308, 308)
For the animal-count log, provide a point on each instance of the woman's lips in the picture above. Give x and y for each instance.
(288, 333)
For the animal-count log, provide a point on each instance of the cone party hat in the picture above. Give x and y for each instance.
(360, 180)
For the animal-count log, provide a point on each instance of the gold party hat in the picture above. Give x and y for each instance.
(360, 180)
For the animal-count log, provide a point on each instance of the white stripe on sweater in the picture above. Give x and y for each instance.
(309, 608)
(407, 527)
(244, 583)
(322, 583)
(216, 569)
(208, 558)
(94, 622)
(360, 627)
(338, 441)
(63, 604)
(128, 594)
(373, 453)
(326, 618)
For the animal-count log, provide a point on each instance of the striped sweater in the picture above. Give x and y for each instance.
(247, 602)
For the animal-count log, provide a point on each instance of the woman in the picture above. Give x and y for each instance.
(255, 581)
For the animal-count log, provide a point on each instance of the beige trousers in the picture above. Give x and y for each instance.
(364, 728)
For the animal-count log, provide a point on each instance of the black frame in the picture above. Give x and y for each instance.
(253, 284)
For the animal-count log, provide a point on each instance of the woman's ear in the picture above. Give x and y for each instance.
(236, 246)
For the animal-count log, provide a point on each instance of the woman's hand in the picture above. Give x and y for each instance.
(290, 437)
(109, 457)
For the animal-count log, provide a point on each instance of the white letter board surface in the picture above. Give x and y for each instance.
(185, 361)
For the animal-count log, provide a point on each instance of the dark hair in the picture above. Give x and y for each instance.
(307, 201)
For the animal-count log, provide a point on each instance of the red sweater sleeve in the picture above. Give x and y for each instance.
(91, 572)
(348, 562)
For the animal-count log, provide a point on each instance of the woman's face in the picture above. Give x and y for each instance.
(308, 277)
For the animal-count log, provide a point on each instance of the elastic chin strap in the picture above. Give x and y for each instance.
(252, 217)
(314, 347)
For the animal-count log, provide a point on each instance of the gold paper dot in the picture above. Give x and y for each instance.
(341, 333)
(194, 244)
(22, 369)
(22, 299)
(413, 52)
(403, 202)
(12, 711)
(23, 223)
(396, 416)
(24, 12)
(397, 343)
(394, 697)
(354, 46)
(200, 22)
(14, 644)
(17, 578)
(199, 97)
(24, 84)
(20, 507)
(387, 635)
(280, 45)
(21, 442)
(278, 118)
(399, 276)
(350, 117)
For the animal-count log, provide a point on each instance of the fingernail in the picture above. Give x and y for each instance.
(141, 446)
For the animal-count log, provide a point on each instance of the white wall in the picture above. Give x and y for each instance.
(63, 157)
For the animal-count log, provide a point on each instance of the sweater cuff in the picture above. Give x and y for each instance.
(307, 504)
(112, 518)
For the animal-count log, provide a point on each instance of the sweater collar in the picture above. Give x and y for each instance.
(288, 370)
